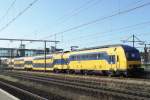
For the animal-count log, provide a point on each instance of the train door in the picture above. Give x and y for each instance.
(62, 61)
(113, 64)
(117, 62)
(79, 62)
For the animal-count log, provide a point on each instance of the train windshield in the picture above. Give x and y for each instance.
(132, 54)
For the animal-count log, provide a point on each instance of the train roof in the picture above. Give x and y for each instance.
(105, 46)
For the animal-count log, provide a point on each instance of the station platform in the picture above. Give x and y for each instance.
(6, 96)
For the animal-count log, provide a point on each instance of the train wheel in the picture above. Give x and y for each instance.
(85, 72)
(105, 73)
(68, 71)
(56, 71)
(111, 73)
(125, 74)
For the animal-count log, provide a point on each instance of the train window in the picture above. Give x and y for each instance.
(74, 57)
(99, 56)
(86, 57)
(112, 59)
(59, 61)
(102, 55)
(67, 61)
(90, 57)
(78, 57)
(71, 58)
(28, 62)
(94, 56)
(82, 57)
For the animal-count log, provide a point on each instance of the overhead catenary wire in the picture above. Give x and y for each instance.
(8, 10)
(92, 35)
(80, 9)
(112, 30)
(75, 11)
(101, 36)
(133, 3)
(18, 15)
(82, 40)
(103, 18)
(106, 41)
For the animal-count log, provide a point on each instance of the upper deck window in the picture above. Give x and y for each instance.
(88, 56)
(60, 61)
(28, 62)
(112, 59)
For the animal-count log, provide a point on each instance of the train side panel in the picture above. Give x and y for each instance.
(60, 61)
(28, 63)
(19, 63)
(103, 60)
(39, 63)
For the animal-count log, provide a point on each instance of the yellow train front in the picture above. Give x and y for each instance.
(109, 60)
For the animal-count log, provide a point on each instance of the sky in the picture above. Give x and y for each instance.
(68, 21)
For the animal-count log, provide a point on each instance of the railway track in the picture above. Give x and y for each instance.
(121, 89)
(20, 93)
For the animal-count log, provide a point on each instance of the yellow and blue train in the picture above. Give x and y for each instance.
(108, 60)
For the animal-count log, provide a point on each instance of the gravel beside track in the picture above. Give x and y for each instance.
(116, 87)
(22, 94)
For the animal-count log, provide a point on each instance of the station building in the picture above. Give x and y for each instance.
(17, 52)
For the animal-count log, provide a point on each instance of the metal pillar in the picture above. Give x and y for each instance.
(133, 40)
(45, 54)
(55, 43)
(145, 54)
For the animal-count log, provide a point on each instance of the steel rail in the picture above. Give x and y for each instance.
(91, 87)
(21, 91)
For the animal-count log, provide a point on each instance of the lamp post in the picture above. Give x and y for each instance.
(45, 52)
